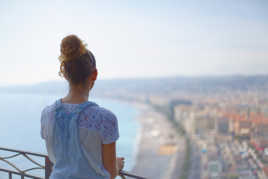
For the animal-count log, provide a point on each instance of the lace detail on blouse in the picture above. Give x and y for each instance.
(93, 118)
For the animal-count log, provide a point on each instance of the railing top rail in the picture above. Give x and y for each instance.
(23, 152)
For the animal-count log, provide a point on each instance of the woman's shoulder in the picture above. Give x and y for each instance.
(46, 120)
(48, 110)
(101, 112)
(104, 121)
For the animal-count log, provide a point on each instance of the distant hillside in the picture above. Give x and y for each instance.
(154, 85)
(44, 87)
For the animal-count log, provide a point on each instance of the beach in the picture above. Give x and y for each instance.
(160, 153)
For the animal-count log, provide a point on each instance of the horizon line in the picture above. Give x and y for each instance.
(145, 78)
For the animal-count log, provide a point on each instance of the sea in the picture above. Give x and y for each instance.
(20, 127)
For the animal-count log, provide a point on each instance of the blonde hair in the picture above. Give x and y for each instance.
(76, 61)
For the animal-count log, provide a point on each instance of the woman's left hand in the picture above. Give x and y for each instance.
(120, 161)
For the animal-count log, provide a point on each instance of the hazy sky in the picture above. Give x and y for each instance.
(135, 38)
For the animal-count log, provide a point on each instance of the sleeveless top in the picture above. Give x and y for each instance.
(71, 158)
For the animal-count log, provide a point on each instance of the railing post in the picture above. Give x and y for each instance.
(48, 167)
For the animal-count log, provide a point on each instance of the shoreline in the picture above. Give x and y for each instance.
(159, 150)
(137, 145)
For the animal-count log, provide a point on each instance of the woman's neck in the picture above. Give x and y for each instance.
(76, 95)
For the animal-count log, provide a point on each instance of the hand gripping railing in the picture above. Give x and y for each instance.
(47, 167)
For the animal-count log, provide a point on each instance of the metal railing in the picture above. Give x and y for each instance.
(47, 167)
(20, 172)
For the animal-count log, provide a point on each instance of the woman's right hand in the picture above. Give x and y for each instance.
(120, 162)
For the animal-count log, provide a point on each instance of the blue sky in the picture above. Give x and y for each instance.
(135, 38)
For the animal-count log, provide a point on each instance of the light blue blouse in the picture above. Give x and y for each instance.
(74, 134)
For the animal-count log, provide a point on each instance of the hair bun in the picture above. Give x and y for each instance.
(71, 48)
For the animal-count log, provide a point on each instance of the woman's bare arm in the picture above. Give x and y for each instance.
(111, 163)
(109, 158)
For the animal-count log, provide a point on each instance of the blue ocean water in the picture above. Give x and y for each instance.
(20, 124)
